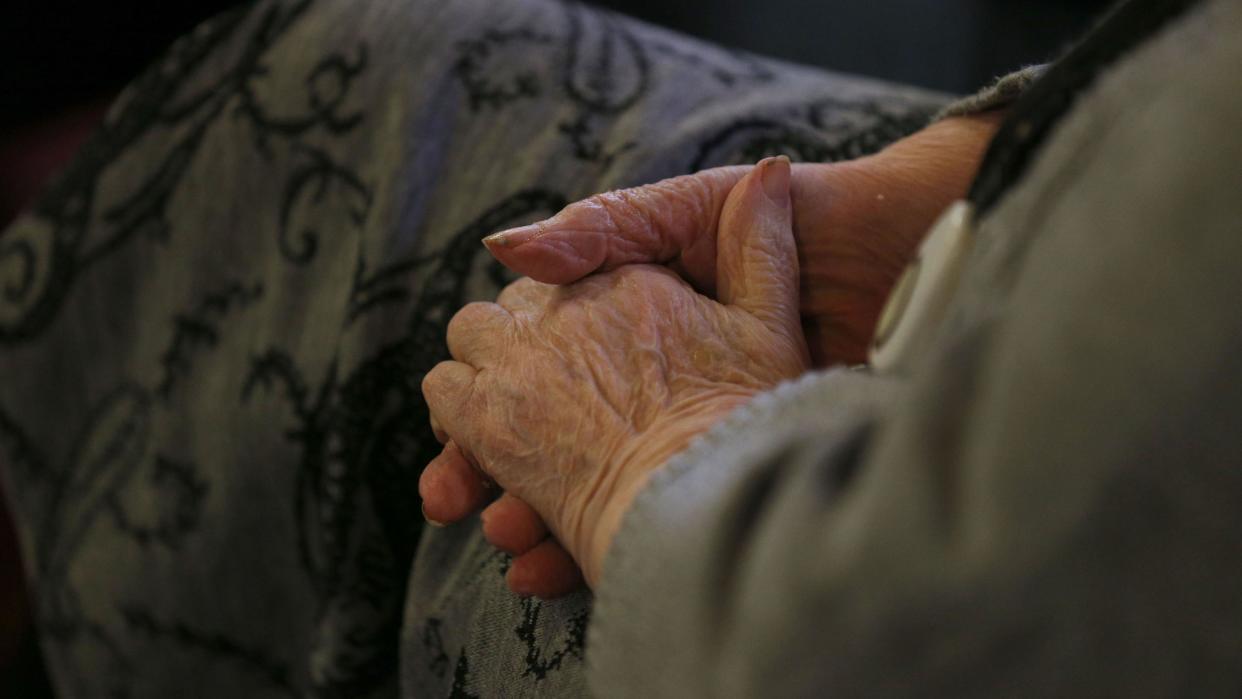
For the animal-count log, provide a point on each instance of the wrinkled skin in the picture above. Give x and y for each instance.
(856, 225)
(613, 375)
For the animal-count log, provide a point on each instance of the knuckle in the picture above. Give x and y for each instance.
(647, 276)
(605, 205)
(688, 193)
(474, 332)
(653, 217)
(439, 382)
(629, 209)
(523, 286)
(519, 293)
(604, 211)
(470, 317)
(429, 384)
(629, 276)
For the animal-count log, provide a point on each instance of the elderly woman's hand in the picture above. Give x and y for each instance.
(569, 396)
(857, 223)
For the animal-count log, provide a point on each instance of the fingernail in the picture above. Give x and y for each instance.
(518, 584)
(512, 237)
(432, 522)
(774, 174)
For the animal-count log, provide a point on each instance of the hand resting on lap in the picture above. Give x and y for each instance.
(856, 225)
(567, 397)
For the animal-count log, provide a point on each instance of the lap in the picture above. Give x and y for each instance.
(214, 327)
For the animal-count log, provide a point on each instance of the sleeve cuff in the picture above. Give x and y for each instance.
(660, 596)
(1001, 93)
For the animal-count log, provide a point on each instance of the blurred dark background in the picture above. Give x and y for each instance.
(61, 62)
(950, 45)
(57, 52)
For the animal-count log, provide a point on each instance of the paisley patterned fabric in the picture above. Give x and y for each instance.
(214, 325)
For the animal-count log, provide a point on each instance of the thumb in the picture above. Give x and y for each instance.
(756, 257)
(673, 219)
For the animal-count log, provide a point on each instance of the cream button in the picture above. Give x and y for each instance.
(917, 305)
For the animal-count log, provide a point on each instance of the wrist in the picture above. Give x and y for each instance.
(861, 222)
(942, 159)
(632, 469)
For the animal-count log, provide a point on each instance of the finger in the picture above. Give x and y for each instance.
(512, 526)
(477, 332)
(438, 431)
(451, 488)
(674, 219)
(447, 388)
(546, 571)
(523, 294)
(757, 258)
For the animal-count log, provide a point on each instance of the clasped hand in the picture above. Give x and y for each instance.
(568, 396)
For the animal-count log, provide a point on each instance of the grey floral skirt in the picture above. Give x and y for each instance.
(214, 325)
